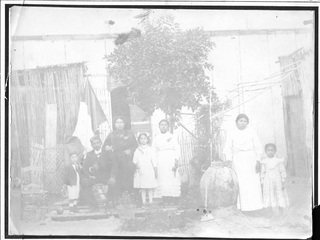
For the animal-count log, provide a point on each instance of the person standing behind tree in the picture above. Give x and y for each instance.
(123, 144)
(167, 152)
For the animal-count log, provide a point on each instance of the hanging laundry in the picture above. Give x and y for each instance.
(83, 129)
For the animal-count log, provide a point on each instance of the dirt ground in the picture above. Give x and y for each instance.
(296, 222)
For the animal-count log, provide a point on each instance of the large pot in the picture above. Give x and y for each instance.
(219, 186)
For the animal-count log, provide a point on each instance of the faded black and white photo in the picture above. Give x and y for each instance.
(164, 121)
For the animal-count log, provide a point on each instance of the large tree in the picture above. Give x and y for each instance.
(164, 67)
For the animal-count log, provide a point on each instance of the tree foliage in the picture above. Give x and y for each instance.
(165, 67)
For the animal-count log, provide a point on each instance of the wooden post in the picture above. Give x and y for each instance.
(171, 123)
(206, 197)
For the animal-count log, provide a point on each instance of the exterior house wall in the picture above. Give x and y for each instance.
(253, 58)
(237, 59)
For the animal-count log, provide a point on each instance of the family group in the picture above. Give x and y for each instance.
(126, 164)
(261, 180)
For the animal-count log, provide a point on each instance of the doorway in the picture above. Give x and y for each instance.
(295, 136)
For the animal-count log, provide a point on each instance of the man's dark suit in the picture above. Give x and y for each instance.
(106, 168)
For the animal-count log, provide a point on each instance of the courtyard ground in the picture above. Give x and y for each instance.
(296, 222)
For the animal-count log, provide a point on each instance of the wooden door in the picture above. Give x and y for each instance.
(295, 136)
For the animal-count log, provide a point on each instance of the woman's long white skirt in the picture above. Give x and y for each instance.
(250, 194)
(169, 184)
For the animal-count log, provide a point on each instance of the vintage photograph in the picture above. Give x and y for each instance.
(169, 121)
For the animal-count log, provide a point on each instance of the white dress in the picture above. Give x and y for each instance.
(273, 175)
(243, 148)
(144, 176)
(167, 149)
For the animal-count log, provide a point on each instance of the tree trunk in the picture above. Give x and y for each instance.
(171, 123)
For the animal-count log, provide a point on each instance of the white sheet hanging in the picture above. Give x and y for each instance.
(83, 129)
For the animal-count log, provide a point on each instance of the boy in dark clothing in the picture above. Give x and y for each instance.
(72, 181)
(99, 167)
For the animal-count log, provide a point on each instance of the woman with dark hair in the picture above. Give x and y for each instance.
(243, 148)
(123, 143)
(167, 153)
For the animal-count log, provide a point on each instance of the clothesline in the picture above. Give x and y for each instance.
(247, 90)
(267, 88)
(275, 74)
(229, 109)
(258, 89)
(258, 83)
(255, 89)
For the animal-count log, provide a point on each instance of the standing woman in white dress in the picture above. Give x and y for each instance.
(243, 148)
(167, 152)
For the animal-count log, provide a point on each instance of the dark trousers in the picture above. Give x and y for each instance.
(124, 179)
(86, 193)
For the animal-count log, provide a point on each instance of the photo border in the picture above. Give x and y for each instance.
(194, 5)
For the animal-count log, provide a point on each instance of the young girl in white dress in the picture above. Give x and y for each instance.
(145, 175)
(273, 176)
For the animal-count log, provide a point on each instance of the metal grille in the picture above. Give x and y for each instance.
(60, 167)
(54, 169)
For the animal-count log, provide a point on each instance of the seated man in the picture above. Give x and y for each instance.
(99, 168)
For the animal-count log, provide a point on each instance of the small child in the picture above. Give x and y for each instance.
(145, 175)
(273, 175)
(72, 181)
